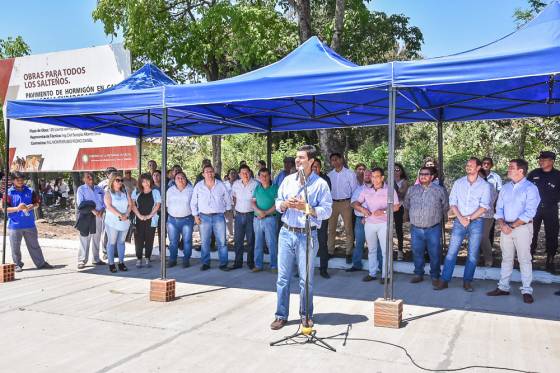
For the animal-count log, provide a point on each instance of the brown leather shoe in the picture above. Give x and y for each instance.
(278, 324)
(416, 279)
(467, 286)
(435, 282)
(309, 322)
(441, 285)
(528, 298)
(497, 292)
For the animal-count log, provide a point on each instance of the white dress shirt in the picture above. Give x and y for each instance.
(179, 201)
(343, 183)
(210, 201)
(243, 195)
(470, 197)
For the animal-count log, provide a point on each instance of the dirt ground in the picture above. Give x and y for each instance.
(58, 223)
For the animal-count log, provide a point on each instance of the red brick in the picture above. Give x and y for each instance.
(387, 313)
(162, 290)
(7, 272)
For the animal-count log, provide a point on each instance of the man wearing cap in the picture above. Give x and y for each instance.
(547, 180)
(21, 201)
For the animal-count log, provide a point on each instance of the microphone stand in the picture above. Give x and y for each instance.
(307, 331)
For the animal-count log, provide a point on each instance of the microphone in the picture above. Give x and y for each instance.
(300, 172)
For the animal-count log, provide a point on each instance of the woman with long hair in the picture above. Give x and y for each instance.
(401, 186)
(118, 206)
(146, 202)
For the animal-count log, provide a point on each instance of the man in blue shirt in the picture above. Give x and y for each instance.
(289, 165)
(293, 237)
(517, 206)
(470, 197)
(21, 202)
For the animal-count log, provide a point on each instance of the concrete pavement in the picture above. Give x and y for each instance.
(92, 321)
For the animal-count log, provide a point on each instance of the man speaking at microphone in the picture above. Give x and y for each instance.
(292, 240)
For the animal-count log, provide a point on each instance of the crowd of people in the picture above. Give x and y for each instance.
(263, 213)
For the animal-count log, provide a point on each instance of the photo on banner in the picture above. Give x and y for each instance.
(48, 148)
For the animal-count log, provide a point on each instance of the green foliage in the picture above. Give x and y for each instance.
(11, 47)
(188, 152)
(369, 36)
(523, 16)
(192, 40)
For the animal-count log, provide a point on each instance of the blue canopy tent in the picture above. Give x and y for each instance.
(314, 88)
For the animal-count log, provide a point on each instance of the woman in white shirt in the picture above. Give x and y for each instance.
(180, 221)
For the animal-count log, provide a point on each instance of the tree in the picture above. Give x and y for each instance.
(523, 16)
(200, 40)
(364, 37)
(10, 48)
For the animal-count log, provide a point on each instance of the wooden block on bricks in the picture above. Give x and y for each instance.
(387, 313)
(7, 272)
(162, 290)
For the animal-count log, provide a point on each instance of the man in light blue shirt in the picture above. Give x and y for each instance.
(209, 202)
(293, 237)
(470, 197)
(289, 165)
(517, 206)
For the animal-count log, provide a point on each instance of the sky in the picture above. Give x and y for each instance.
(448, 26)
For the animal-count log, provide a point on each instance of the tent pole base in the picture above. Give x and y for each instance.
(162, 290)
(387, 313)
(7, 272)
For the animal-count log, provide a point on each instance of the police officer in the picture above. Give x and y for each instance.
(547, 180)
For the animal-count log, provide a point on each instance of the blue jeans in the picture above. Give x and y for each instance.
(177, 227)
(213, 223)
(422, 239)
(291, 249)
(115, 238)
(243, 227)
(265, 230)
(458, 233)
(360, 237)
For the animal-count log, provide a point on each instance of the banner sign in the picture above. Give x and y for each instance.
(45, 148)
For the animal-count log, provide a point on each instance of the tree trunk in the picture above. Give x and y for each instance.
(217, 153)
(338, 25)
(334, 141)
(303, 8)
(523, 139)
(331, 141)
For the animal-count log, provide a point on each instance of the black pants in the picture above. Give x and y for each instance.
(550, 218)
(399, 221)
(144, 238)
(322, 237)
(492, 231)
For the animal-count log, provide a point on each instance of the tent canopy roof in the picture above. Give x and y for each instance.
(313, 87)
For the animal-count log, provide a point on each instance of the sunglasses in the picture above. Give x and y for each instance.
(425, 174)
(119, 180)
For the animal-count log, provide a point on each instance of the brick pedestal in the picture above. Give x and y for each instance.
(387, 313)
(162, 290)
(7, 272)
